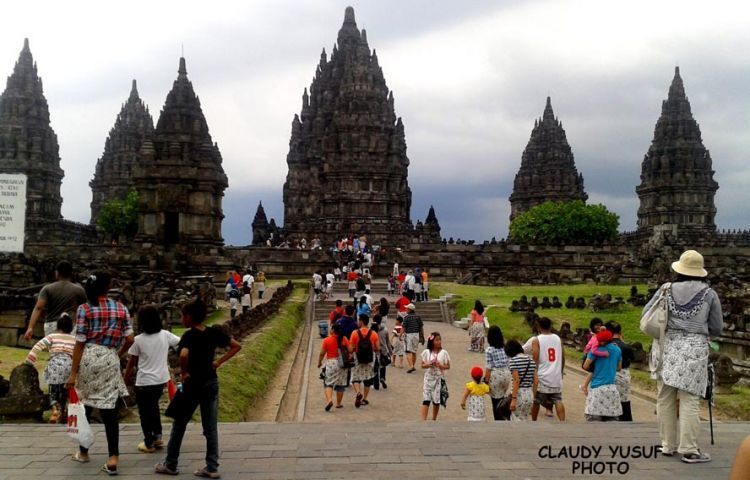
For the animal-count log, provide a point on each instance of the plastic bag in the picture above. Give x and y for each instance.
(78, 425)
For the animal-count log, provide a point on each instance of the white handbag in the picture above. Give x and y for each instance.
(654, 320)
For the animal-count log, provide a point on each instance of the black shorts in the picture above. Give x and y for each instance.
(427, 403)
(547, 400)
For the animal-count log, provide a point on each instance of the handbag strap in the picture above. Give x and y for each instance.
(525, 372)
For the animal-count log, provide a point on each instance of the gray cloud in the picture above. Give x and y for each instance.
(468, 80)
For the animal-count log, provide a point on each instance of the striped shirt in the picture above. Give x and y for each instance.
(524, 365)
(106, 324)
(496, 358)
(412, 323)
(54, 343)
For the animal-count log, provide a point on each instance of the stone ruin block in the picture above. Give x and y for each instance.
(24, 399)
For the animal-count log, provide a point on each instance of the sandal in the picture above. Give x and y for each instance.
(358, 401)
(109, 471)
(77, 457)
(339, 406)
(329, 406)
(206, 474)
(365, 402)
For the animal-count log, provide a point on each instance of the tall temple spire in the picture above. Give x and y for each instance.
(28, 144)
(350, 118)
(113, 176)
(261, 227)
(178, 175)
(548, 171)
(677, 187)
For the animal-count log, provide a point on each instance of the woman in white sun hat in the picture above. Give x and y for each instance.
(694, 314)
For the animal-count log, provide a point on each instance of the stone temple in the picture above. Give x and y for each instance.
(178, 175)
(677, 179)
(28, 145)
(347, 154)
(113, 176)
(548, 170)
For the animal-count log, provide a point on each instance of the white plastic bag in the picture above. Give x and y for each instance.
(78, 425)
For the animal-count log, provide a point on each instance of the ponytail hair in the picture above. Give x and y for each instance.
(96, 285)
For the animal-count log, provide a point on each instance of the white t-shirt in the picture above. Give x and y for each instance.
(249, 279)
(151, 350)
(442, 358)
(550, 360)
(317, 280)
(330, 278)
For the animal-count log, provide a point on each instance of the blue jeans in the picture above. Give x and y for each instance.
(207, 397)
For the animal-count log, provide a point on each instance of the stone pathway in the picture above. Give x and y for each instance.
(387, 450)
(403, 398)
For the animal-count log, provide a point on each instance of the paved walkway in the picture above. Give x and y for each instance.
(403, 398)
(395, 450)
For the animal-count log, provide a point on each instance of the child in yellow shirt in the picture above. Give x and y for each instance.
(475, 392)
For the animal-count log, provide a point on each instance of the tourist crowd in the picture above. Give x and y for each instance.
(87, 334)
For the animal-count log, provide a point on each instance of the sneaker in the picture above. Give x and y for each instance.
(158, 443)
(698, 457)
(145, 449)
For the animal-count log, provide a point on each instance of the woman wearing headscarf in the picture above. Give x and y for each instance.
(694, 314)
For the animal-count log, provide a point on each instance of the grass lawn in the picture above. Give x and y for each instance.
(513, 325)
(245, 378)
(11, 357)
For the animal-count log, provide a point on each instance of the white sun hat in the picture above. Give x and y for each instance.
(690, 264)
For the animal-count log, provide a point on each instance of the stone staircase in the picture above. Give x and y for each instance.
(430, 311)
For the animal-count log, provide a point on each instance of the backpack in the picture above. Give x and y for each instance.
(364, 348)
(234, 293)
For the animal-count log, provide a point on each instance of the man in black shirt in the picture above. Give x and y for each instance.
(622, 380)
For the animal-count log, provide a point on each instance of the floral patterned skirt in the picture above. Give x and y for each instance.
(431, 386)
(499, 382)
(685, 361)
(335, 376)
(399, 347)
(58, 369)
(100, 382)
(523, 405)
(476, 335)
(622, 381)
(363, 371)
(603, 401)
(475, 407)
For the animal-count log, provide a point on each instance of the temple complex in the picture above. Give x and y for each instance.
(347, 153)
(548, 170)
(262, 229)
(113, 177)
(178, 174)
(677, 179)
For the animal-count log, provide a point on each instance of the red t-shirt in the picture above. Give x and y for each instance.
(401, 304)
(374, 339)
(331, 346)
(332, 315)
(352, 276)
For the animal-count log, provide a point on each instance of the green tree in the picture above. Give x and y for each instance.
(120, 216)
(570, 223)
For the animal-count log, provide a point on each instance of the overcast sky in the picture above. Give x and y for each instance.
(469, 78)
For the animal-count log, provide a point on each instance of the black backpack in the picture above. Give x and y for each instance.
(364, 348)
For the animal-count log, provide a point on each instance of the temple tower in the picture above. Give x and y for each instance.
(261, 227)
(347, 153)
(113, 178)
(548, 170)
(677, 180)
(178, 174)
(28, 144)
